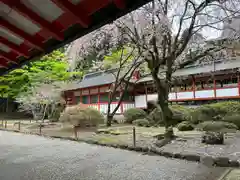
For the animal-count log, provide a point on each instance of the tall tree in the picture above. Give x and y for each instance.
(168, 36)
(123, 62)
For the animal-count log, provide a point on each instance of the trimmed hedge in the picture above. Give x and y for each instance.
(216, 126)
(185, 126)
(141, 122)
(155, 117)
(80, 115)
(133, 114)
(215, 111)
(235, 119)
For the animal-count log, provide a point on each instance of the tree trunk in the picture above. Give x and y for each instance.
(44, 112)
(109, 120)
(162, 101)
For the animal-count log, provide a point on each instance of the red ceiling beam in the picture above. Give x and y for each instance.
(3, 63)
(121, 4)
(8, 56)
(28, 38)
(28, 13)
(92, 6)
(79, 13)
(16, 48)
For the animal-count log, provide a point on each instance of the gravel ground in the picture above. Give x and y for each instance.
(26, 157)
(230, 149)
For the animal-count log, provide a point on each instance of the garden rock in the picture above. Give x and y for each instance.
(213, 138)
(222, 161)
(207, 160)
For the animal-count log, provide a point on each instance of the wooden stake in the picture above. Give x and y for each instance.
(75, 132)
(19, 124)
(5, 124)
(134, 137)
(40, 128)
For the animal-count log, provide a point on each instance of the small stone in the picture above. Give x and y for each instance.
(145, 149)
(123, 146)
(192, 157)
(213, 138)
(207, 160)
(178, 156)
(233, 163)
(138, 148)
(167, 154)
(222, 161)
(131, 148)
(154, 150)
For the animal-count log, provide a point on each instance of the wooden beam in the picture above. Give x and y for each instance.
(121, 4)
(3, 63)
(34, 17)
(28, 38)
(16, 48)
(78, 12)
(8, 56)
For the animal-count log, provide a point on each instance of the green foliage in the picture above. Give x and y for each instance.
(82, 116)
(141, 122)
(155, 117)
(215, 111)
(216, 126)
(235, 119)
(133, 114)
(185, 126)
(50, 68)
(118, 58)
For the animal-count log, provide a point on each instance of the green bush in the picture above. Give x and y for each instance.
(216, 126)
(133, 114)
(215, 111)
(185, 126)
(141, 122)
(82, 116)
(155, 117)
(235, 119)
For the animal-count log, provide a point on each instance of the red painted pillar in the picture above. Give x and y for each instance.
(73, 98)
(194, 87)
(215, 87)
(146, 93)
(89, 97)
(238, 85)
(98, 99)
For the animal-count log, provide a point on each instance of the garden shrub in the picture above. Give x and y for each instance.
(215, 111)
(216, 126)
(133, 114)
(155, 117)
(235, 119)
(185, 126)
(83, 116)
(141, 122)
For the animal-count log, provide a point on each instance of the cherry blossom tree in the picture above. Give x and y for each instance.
(169, 34)
(122, 63)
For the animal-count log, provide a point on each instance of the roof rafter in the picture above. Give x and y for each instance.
(3, 63)
(121, 4)
(30, 39)
(8, 56)
(83, 19)
(34, 17)
(16, 48)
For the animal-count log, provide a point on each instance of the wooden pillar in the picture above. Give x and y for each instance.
(89, 97)
(194, 87)
(238, 76)
(98, 99)
(215, 87)
(146, 93)
(73, 98)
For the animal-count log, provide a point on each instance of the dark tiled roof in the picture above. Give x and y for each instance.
(97, 79)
